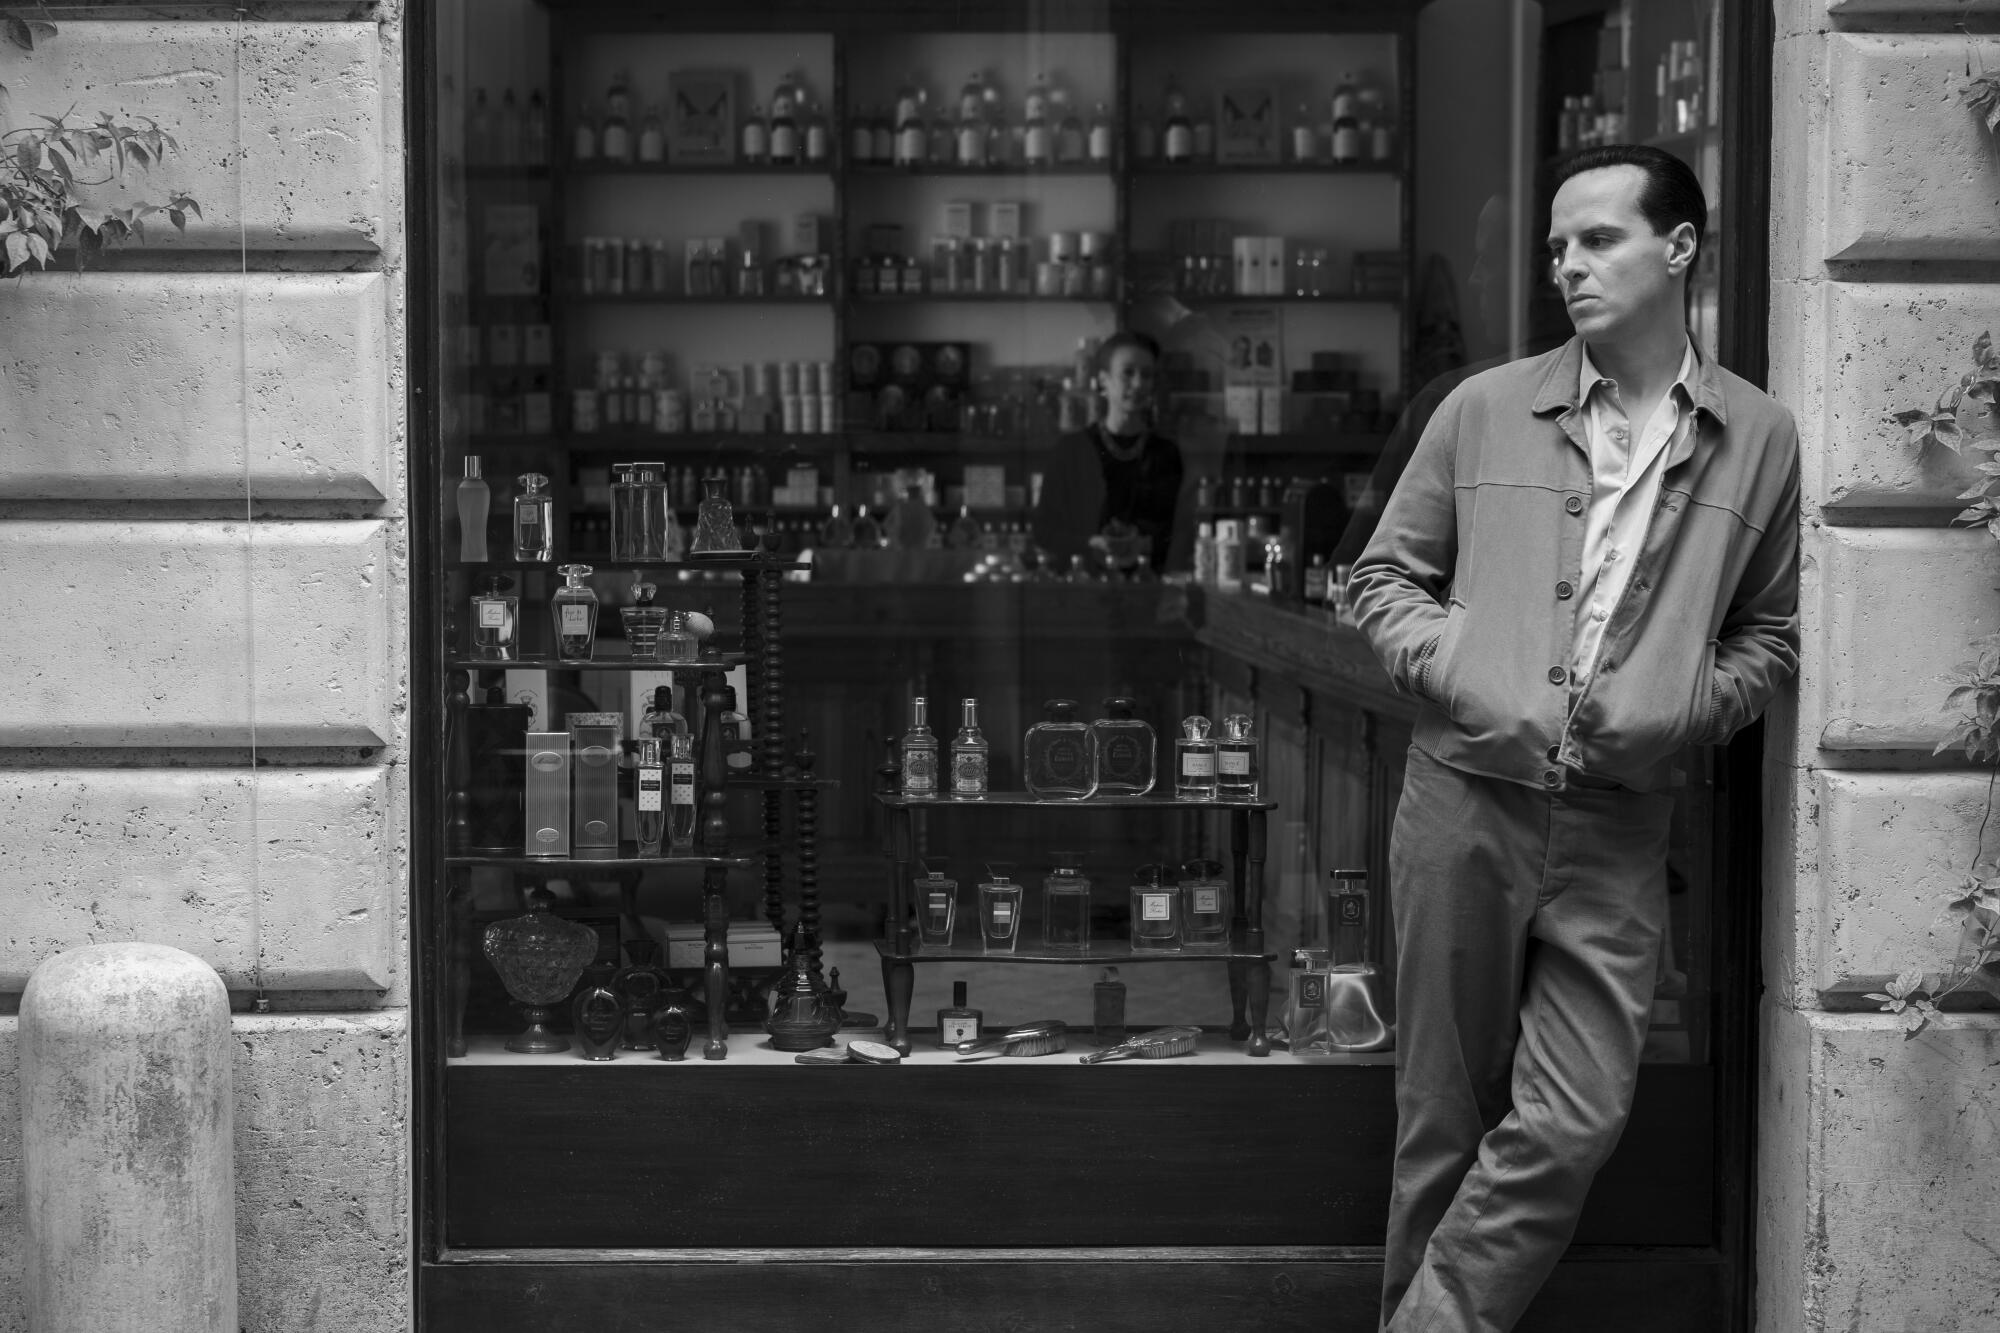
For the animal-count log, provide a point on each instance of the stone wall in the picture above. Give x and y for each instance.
(1875, 1208)
(204, 738)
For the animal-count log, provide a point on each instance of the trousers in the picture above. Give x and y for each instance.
(1528, 929)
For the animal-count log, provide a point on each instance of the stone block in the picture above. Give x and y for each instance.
(1889, 1146)
(1893, 611)
(1798, 174)
(1891, 347)
(170, 633)
(173, 856)
(194, 385)
(322, 1173)
(285, 128)
(1893, 848)
(1911, 171)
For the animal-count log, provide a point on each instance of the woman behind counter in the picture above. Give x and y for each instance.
(1117, 471)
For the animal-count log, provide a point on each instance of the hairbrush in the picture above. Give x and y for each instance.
(1046, 1037)
(1158, 1044)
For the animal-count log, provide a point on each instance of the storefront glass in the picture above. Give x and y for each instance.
(794, 323)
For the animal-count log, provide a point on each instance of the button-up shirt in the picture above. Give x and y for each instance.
(1625, 475)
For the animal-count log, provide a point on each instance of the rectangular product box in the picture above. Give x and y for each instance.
(1271, 410)
(1240, 406)
(1245, 277)
(958, 218)
(1274, 265)
(751, 944)
(639, 687)
(530, 688)
(545, 799)
(594, 746)
(1003, 219)
(806, 234)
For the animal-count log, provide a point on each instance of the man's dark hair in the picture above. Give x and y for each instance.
(1127, 338)
(1671, 194)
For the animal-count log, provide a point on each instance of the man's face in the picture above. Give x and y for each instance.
(1616, 275)
(1128, 381)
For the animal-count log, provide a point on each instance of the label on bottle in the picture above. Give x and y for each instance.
(968, 772)
(784, 142)
(529, 516)
(682, 792)
(1207, 901)
(1195, 764)
(1063, 762)
(1156, 907)
(492, 615)
(940, 903)
(575, 618)
(1003, 913)
(1233, 763)
(1309, 990)
(1036, 146)
(919, 772)
(955, 1028)
(1100, 143)
(1122, 759)
(649, 791)
(1180, 143)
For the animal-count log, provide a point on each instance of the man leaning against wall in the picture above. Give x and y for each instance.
(1591, 562)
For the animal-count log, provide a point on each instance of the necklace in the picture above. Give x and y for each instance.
(1123, 453)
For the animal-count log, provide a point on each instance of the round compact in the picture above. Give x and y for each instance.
(874, 1053)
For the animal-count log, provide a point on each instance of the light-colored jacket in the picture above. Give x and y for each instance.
(1468, 591)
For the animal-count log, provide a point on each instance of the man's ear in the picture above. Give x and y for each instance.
(1681, 248)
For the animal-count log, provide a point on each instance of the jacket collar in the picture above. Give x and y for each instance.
(1559, 382)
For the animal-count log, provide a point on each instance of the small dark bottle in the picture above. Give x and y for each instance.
(599, 1014)
(673, 1025)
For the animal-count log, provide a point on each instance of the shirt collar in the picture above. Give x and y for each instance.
(1588, 376)
(1564, 386)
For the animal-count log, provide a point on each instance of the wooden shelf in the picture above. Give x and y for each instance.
(684, 298)
(890, 171)
(708, 662)
(1164, 169)
(626, 858)
(1329, 298)
(961, 298)
(1099, 952)
(628, 170)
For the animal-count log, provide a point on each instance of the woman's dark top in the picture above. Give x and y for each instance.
(1085, 488)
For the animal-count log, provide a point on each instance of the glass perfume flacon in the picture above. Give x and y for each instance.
(475, 501)
(1066, 905)
(969, 755)
(715, 522)
(643, 623)
(1156, 912)
(999, 909)
(650, 797)
(937, 908)
(1236, 767)
(1194, 761)
(641, 519)
(918, 751)
(661, 721)
(1206, 904)
(677, 642)
(1056, 754)
(534, 520)
(1123, 750)
(573, 610)
(959, 1022)
(1107, 1009)
(680, 792)
(495, 620)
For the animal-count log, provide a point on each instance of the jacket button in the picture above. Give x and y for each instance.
(1610, 665)
(1557, 675)
(1574, 504)
(1564, 591)
(1552, 778)
(1555, 753)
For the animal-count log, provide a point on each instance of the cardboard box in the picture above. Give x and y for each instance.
(751, 944)
(807, 234)
(958, 218)
(1003, 219)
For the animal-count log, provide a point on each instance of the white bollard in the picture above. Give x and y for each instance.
(126, 1141)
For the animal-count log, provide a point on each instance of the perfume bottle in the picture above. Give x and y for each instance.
(1056, 754)
(1194, 761)
(1347, 917)
(736, 756)
(1205, 904)
(837, 533)
(937, 908)
(661, 721)
(1107, 1009)
(650, 797)
(1156, 912)
(534, 528)
(968, 755)
(867, 532)
(677, 642)
(495, 620)
(919, 752)
(715, 522)
(1123, 749)
(644, 623)
(475, 502)
(1066, 905)
(960, 1022)
(999, 909)
(574, 611)
(1236, 768)
(680, 792)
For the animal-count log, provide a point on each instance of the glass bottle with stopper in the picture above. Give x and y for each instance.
(573, 610)
(495, 620)
(1156, 912)
(1236, 767)
(1066, 905)
(1194, 761)
(715, 522)
(1206, 904)
(937, 908)
(650, 797)
(643, 623)
(969, 752)
(999, 908)
(960, 1021)
(1123, 749)
(681, 807)
(1056, 754)
(534, 528)
(918, 752)
(475, 501)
